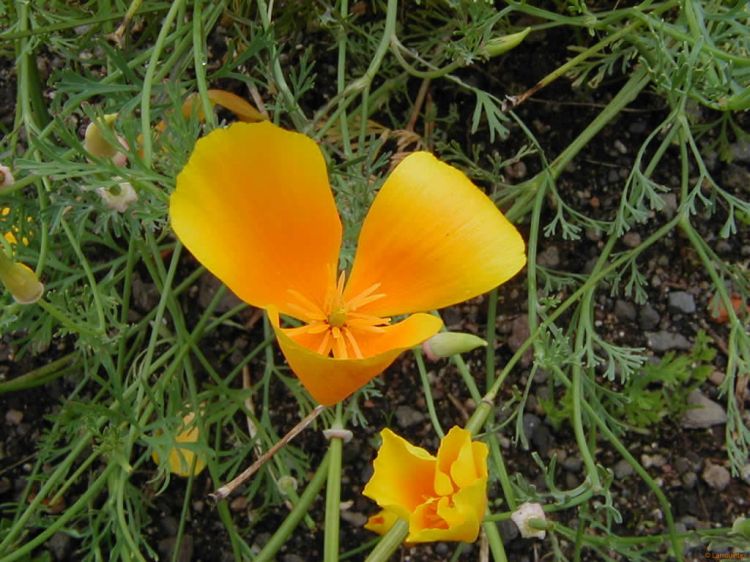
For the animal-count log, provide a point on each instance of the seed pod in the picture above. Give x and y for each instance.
(446, 344)
(500, 45)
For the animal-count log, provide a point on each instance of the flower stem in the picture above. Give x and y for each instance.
(333, 494)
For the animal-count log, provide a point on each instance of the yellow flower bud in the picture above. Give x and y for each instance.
(446, 344)
(20, 280)
(97, 144)
(500, 45)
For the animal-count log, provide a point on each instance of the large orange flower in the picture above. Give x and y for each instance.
(253, 204)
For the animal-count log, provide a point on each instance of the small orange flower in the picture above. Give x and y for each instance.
(253, 204)
(443, 498)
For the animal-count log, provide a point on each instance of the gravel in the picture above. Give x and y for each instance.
(702, 412)
(716, 476)
(681, 302)
(665, 341)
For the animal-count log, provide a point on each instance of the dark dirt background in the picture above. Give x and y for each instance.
(690, 464)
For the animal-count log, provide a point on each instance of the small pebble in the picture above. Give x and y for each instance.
(624, 311)
(13, 417)
(716, 476)
(702, 412)
(648, 318)
(689, 479)
(666, 341)
(406, 416)
(656, 460)
(631, 239)
(572, 464)
(550, 257)
(681, 302)
(623, 469)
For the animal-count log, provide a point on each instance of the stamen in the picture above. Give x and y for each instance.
(353, 343)
(325, 345)
(305, 306)
(339, 347)
(364, 297)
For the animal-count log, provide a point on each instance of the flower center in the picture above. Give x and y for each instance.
(332, 329)
(337, 317)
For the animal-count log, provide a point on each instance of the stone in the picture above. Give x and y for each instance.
(648, 318)
(572, 464)
(60, 546)
(716, 476)
(653, 461)
(550, 257)
(702, 412)
(13, 417)
(508, 531)
(530, 424)
(631, 239)
(681, 302)
(689, 480)
(625, 311)
(354, 518)
(670, 204)
(665, 341)
(406, 416)
(745, 473)
(623, 469)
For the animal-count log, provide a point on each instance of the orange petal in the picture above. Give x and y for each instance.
(234, 103)
(457, 518)
(254, 206)
(381, 522)
(403, 475)
(432, 239)
(456, 457)
(402, 335)
(331, 380)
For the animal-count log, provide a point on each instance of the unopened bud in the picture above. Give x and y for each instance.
(523, 516)
(500, 45)
(98, 145)
(446, 344)
(20, 280)
(118, 197)
(6, 177)
(287, 484)
(741, 527)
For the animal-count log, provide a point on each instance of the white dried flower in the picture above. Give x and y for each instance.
(6, 176)
(525, 513)
(119, 197)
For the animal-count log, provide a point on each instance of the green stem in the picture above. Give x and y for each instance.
(333, 494)
(495, 541)
(148, 80)
(428, 393)
(199, 59)
(42, 375)
(390, 542)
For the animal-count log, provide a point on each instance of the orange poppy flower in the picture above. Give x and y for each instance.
(253, 204)
(443, 498)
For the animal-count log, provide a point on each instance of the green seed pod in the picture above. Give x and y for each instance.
(500, 45)
(446, 344)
